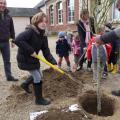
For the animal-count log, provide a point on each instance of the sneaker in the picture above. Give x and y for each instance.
(89, 69)
(12, 79)
(104, 76)
(68, 68)
(79, 68)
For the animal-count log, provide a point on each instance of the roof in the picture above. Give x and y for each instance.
(22, 12)
(40, 4)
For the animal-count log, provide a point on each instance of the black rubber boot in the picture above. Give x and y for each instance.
(11, 78)
(39, 100)
(116, 93)
(26, 83)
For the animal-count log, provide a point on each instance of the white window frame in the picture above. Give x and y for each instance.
(115, 13)
(51, 14)
(60, 12)
(70, 11)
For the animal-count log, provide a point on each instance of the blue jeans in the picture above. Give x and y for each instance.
(37, 75)
(5, 51)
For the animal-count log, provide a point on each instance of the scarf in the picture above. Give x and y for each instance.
(87, 28)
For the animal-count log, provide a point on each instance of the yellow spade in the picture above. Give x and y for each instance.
(49, 64)
(54, 67)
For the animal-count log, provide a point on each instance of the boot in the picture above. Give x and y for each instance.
(109, 67)
(116, 92)
(25, 84)
(114, 69)
(39, 100)
(68, 68)
(11, 78)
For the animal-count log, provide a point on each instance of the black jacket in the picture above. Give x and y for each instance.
(29, 41)
(82, 32)
(6, 27)
(62, 48)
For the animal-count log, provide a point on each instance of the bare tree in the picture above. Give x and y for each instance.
(100, 12)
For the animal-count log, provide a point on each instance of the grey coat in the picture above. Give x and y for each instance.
(111, 36)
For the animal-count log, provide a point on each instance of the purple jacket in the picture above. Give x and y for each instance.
(6, 27)
(76, 47)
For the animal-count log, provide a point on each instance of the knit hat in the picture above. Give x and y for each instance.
(61, 34)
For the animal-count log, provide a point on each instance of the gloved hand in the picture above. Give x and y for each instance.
(33, 54)
(85, 48)
(12, 43)
(74, 68)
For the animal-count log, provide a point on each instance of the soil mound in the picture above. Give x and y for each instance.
(57, 86)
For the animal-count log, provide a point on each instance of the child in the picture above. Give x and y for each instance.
(62, 50)
(76, 49)
(92, 53)
(30, 42)
(69, 36)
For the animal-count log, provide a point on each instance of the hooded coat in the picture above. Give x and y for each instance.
(32, 40)
(6, 27)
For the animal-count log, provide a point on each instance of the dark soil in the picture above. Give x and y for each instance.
(58, 86)
(89, 103)
(83, 76)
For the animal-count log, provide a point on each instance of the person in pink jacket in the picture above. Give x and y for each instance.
(76, 49)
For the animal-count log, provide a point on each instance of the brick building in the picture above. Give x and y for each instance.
(63, 14)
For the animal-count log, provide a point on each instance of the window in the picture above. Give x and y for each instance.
(115, 13)
(60, 12)
(70, 14)
(51, 15)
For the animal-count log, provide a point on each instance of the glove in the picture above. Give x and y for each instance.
(85, 48)
(12, 43)
(33, 54)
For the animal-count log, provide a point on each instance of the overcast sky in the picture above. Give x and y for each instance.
(22, 3)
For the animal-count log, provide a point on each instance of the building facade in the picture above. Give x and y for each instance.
(63, 14)
(21, 17)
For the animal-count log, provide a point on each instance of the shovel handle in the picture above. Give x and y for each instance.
(49, 64)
